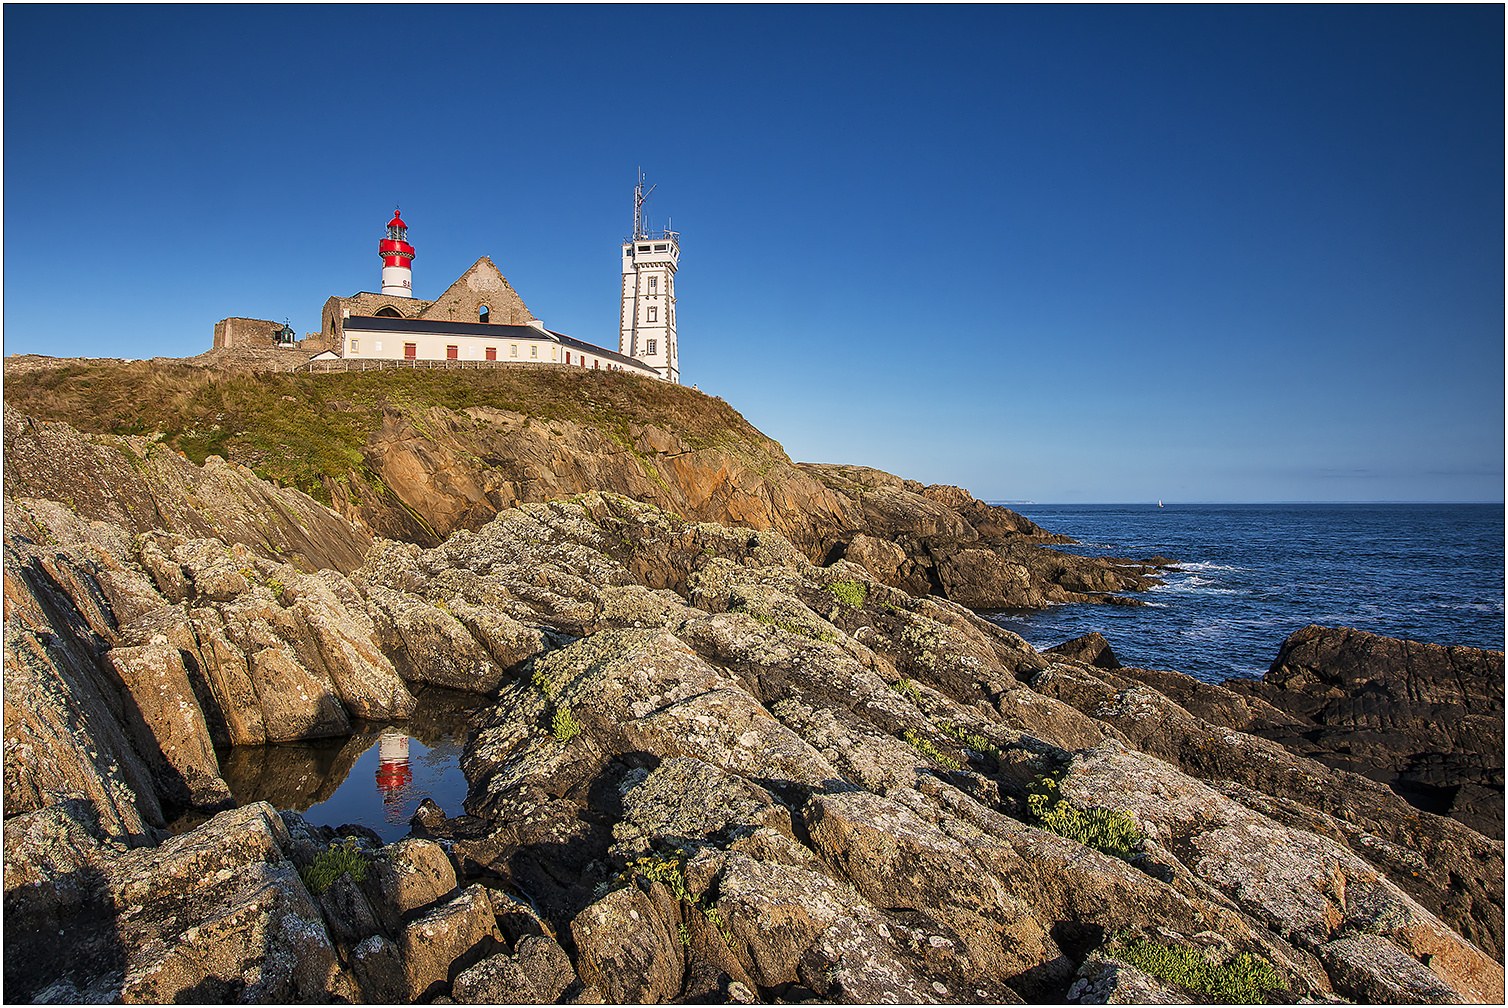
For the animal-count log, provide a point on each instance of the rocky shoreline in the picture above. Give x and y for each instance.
(711, 762)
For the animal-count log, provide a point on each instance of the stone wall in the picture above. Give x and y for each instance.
(332, 325)
(483, 284)
(240, 332)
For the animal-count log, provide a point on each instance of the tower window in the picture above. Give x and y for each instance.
(649, 346)
(643, 248)
(652, 314)
(482, 313)
(654, 284)
(388, 311)
(661, 248)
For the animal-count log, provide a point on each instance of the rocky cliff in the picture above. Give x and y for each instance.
(416, 456)
(709, 763)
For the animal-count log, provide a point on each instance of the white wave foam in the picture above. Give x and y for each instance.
(1196, 586)
(1210, 567)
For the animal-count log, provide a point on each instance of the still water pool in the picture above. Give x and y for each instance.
(375, 777)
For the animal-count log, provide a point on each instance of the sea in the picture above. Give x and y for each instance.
(1247, 576)
(1251, 574)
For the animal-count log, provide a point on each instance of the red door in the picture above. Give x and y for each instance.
(410, 351)
(568, 357)
(452, 353)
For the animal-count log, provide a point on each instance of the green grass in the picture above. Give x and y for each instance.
(1246, 979)
(850, 593)
(978, 743)
(301, 430)
(931, 752)
(331, 864)
(1110, 832)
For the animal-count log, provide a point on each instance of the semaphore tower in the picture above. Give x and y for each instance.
(397, 257)
(646, 327)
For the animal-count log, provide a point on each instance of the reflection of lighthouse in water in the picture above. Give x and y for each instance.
(393, 773)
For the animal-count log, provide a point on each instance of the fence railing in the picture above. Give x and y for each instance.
(344, 364)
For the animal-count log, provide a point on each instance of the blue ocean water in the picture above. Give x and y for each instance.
(1254, 573)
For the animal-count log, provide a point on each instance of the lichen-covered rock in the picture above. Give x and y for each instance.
(897, 860)
(217, 914)
(406, 876)
(1305, 887)
(446, 941)
(538, 971)
(626, 950)
(1105, 980)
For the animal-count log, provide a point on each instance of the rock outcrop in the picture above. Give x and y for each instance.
(708, 769)
(417, 456)
(1424, 719)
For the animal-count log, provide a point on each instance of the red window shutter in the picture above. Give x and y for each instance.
(410, 351)
(452, 353)
(492, 353)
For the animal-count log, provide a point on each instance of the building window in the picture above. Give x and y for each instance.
(452, 353)
(652, 313)
(654, 284)
(513, 350)
(649, 346)
(355, 345)
(410, 351)
(661, 248)
(482, 313)
(533, 350)
(553, 351)
(377, 347)
(492, 353)
(388, 311)
(643, 248)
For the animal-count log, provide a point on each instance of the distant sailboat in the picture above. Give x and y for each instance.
(1159, 503)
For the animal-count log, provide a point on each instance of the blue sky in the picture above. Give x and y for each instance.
(1046, 253)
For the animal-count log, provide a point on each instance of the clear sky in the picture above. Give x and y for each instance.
(1059, 254)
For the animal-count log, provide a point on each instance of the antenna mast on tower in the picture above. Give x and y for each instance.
(639, 197)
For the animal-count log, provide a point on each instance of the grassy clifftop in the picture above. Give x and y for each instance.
(300, 429)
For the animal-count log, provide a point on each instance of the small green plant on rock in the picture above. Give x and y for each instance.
(565, 726)
(1246, 979)
(850, 593)
(978, 743)
(671, 872)
(1110, 832)
(331, 864)
(541, 682)
(931, 752)
(907, 687)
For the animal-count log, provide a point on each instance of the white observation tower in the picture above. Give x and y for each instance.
(646, 324)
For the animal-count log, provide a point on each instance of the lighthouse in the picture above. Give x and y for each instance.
(397, 257)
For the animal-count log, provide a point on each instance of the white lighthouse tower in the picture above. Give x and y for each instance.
(397, 257)
(646, 327)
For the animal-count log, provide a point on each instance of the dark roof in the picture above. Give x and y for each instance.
(496, 330)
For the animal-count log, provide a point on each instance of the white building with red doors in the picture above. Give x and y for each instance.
(478, 318)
